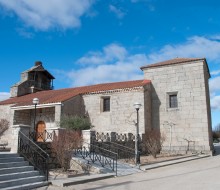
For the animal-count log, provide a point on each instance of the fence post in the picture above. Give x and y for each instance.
(15, 131)
(87, 138)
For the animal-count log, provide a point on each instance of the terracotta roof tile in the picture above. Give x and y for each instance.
(53, 96)
(173, 61)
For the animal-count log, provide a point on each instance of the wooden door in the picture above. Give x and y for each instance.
(40, 133)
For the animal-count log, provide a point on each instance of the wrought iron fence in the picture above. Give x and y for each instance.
(33, 153)
(117, 137)
(123, 152)
(44, 136)
(97, 154)
(122, 144)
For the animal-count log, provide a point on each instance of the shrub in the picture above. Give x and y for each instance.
(75, 122)
(153, 141)
(63, 145)
(4, 125)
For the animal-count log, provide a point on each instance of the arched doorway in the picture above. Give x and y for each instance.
(40, 131)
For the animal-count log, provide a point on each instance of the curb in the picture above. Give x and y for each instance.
(176, 161)
(173, 159)
(76, 181)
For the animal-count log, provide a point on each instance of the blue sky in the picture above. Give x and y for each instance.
(84, 42)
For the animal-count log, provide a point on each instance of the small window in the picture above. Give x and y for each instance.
(173, 101)
(106, 104)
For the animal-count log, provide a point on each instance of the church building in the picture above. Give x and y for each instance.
(174, 95)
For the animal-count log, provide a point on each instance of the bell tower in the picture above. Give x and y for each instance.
(33, 80)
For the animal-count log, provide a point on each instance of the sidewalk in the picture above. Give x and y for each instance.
(123, 170)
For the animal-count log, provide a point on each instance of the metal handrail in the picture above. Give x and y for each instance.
(33, 153)
(103, 156)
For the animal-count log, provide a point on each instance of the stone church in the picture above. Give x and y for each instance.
(174, 95)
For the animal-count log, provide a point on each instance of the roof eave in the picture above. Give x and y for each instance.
(38, 106)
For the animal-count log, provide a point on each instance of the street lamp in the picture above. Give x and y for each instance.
(137, 106)
(35, 102)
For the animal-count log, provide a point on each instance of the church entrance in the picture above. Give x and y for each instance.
(40, 131)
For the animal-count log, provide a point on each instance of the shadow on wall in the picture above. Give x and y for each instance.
(75, 107)
(155, 111)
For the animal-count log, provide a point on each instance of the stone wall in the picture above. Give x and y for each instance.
(22, 117)
(190, 122)
(44, 114)
(74, 106)
(122, 115)
(26, 117)
(6, 113)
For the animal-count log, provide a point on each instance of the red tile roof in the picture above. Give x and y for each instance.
(173, 61)
(53, 96)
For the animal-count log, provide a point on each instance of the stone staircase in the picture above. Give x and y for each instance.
(15, 173)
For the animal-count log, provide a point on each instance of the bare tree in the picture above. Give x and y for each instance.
(63, 145)
(153, 141)
(216, 133)
(4, 125)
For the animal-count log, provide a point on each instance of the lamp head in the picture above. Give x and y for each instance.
(137, 105)
(35, 101)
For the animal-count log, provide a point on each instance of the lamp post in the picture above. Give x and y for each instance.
(137, 106)
(35, 102)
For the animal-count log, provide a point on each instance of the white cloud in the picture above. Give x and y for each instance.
(195, 46)
(24, 33)
(217, 72)
(215, 37)
(4, 95)
(117, 11)
(115, 63)
(110, 53)
(43, 15)
(214, 87)
(215, 103)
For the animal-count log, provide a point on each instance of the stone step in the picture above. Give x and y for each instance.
(7, 154)
(21, 181)
(15, 173)
(16, 169)
(13, 164)
(28, 186)
(11, 159)
(11, 176)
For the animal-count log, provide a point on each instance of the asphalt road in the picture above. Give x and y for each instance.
(203, 174)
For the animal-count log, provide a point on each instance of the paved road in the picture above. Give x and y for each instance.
(203, 174)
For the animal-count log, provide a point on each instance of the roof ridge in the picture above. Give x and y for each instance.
(172, 61)
(61, 95)
(103, 84)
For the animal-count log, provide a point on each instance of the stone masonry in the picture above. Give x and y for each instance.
(122, 115)
(190, 122)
